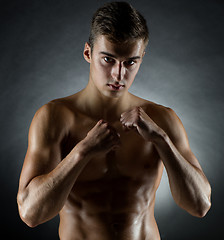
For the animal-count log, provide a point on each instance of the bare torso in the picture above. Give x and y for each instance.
(114, 196)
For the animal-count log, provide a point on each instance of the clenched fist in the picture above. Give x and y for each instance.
(138, 120)
(102, 138)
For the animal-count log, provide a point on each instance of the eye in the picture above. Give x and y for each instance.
(108, 60)
(130, 63)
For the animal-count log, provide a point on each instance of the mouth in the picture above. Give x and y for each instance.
(115, 87)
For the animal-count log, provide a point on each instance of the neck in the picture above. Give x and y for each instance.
(100, 106)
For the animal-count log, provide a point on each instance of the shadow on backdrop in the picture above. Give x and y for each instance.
(41, 59)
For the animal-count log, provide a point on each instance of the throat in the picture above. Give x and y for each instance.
(99, 106)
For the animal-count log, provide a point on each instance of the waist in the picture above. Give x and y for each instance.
(107, 225)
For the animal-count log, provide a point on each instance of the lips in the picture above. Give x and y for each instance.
(115, 87)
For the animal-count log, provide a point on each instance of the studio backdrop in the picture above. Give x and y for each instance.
(41, 45)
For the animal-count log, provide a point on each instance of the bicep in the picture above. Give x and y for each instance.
(38, 163)
(43, 153)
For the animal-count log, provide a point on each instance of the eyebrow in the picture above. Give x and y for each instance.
(111, 55)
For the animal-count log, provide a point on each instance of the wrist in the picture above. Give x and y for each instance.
(83, 149)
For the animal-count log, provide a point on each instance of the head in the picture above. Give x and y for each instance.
(116, 46)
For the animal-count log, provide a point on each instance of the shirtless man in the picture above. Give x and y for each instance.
(97, 157)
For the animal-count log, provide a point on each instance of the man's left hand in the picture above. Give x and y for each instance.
(138, 120)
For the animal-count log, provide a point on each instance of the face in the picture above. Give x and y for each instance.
(113, 67)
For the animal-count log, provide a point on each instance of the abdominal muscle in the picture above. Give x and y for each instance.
(108, 215)
(95, 227)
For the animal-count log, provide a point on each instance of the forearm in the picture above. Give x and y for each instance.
(189, 186)
(45, 195)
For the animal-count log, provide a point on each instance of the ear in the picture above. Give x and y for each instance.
(87, 52)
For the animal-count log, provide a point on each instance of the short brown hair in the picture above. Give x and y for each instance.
(119, 22)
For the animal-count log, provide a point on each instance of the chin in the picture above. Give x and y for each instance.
(113, 94)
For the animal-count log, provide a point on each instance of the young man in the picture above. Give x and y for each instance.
(97, 157)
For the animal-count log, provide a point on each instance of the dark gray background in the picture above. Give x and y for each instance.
(41, 45)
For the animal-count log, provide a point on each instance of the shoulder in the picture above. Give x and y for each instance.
(53, 119)
(167, 119)
(162, 114)
(57, 108)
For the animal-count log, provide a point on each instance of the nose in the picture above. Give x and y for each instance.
(118, 71)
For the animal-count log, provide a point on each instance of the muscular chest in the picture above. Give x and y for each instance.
(135, 157)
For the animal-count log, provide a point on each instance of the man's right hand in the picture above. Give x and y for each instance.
(101, 139)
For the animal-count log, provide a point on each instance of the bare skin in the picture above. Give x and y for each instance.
(97, 157)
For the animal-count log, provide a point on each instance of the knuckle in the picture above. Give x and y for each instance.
(100, 122)
(105, 124)
(107, 131)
